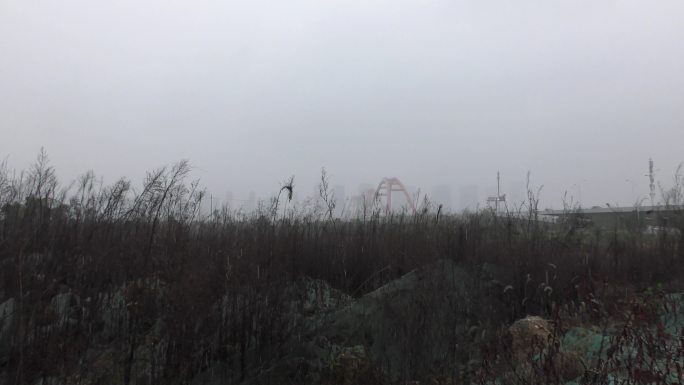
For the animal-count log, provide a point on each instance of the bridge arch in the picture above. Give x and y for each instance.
(385, 189)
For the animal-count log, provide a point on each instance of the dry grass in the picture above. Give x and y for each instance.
(173, 265)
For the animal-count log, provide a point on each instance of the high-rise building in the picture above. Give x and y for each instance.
(340, 199)
(400, 201)
(441, 195)
(516, 194)
(228, 201)
(251, 203)
(364, 188)
(469, 197)
(362, 201)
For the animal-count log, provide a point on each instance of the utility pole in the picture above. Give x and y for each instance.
(498, 198)
(651, 178)
(498, 189)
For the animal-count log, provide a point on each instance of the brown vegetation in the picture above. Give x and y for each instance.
(110, 284)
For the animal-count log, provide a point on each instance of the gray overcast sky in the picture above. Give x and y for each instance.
(434, 92)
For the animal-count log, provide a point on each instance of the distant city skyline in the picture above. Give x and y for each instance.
(578, 93)
(452, 197)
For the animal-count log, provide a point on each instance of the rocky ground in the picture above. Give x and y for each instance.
(436, 325)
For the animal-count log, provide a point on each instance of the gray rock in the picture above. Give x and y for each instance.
(587, 344)
(673, 317)
(7, 326)
(62, 305)
(410, 326)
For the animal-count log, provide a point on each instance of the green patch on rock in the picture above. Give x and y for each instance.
(673, 317)
(586, 344)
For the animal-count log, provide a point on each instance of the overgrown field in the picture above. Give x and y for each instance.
(121, 285)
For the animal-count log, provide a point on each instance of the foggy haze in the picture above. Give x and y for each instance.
(437, 93)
